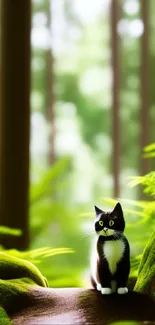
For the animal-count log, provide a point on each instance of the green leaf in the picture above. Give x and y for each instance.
(149, 151)
(148, 181)
(125, 323)
(10, 231)
(149, 155)
(36, 254)
(136, 180)
(150, 147)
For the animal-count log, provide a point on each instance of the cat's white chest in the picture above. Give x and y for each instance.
(113, 251)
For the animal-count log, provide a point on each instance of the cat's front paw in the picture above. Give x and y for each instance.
(98, 287)
(106, 291)
(122, 291)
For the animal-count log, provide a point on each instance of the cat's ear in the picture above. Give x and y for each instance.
(97, 210)
(118, 210)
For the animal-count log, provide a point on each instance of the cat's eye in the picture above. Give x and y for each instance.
(111, 223)
(101, 223)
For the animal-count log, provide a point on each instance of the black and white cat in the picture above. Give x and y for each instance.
(110, 263)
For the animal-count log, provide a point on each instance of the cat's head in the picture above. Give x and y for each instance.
(109, 223)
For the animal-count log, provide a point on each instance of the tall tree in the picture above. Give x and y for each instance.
(145, 76)
(115, 96)
(15, 116)
(50, 88)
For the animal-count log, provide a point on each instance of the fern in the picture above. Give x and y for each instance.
(37, 255)
(49, 181)
(148, 181)
(149, 151)
(10, 231)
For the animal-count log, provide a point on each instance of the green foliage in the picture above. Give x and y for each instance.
(147, 223)
(148, 181)
(146, 275)
(55, 223)
(17, 275)
(12, 267)
(39, 254)
(125, 323)
(10, 231)
(12, 292)
(4, 319)
(50, 181)
(19, 264)
(149, 151)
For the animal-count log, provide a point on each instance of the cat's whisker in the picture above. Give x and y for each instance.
(88, 235)
(87, 239)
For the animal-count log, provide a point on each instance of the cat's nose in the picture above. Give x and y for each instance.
(105, 229)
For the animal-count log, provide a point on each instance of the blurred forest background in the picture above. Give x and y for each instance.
(92, 103)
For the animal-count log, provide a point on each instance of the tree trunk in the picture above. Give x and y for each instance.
(15, 119)
(115, 97)
(50, 91)
(145, 76)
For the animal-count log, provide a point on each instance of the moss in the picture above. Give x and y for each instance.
(13, 290)
(146, 276)
(125, 323)
(4, 319)
(12, 267)
(17, 276)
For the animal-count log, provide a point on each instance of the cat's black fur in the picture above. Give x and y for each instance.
(109, 227)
